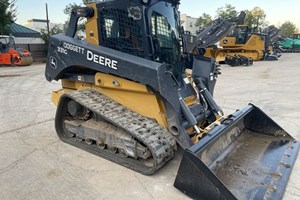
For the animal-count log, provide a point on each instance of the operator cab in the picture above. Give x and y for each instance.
(4, 43)
(240, 33)
(296, 36)
(148, 31)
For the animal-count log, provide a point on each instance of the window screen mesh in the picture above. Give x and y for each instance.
(161, 29)
(121, 32)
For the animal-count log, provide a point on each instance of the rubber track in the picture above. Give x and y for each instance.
(158, 140)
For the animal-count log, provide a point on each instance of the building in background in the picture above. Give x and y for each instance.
(29, 39)
(188, 23)
(24, 35)
(39, 24)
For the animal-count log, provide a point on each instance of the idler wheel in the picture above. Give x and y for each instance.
(100, 144)
(89, 141)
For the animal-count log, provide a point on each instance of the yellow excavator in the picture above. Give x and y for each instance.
(127, 96)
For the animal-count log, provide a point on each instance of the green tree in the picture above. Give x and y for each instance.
(288, 29)
(227, 11)
(70, 6)
(68, 9)
(45, 36)
(249, 19)
(8, 13)
(255, 18)
(203, 20)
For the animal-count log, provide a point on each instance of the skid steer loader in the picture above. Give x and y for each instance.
(126, 96)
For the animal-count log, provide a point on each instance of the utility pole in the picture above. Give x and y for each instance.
(48, 29)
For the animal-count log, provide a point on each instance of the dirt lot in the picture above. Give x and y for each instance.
(36, 165)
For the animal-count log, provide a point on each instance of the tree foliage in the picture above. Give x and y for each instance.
(45, 36)
(227, 11)
(288, 29)
(8, 14)
(70, 6)
(255, 18)
(203, 20)
(68, 10)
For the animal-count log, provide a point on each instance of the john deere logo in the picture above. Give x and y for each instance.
(53, 62)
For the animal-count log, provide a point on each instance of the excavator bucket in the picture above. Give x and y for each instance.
(246, 156)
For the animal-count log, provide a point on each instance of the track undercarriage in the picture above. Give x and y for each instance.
(92, 122)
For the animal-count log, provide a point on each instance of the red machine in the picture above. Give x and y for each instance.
(10, 55)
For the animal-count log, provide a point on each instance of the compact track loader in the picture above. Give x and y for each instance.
(126, 96)
(273, 39)
(10, 55)
(217, 29)
(251, 44)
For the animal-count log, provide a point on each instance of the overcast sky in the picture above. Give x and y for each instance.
(277, 11)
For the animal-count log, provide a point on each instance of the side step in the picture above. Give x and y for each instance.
(248, 156)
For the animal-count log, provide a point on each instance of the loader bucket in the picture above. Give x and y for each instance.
(248, 156)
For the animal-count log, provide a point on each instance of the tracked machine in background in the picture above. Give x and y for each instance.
(10, 55)
(205, 40)
(126, 96)
(273, 39)
(257, 46)
(243, 46)
(245, 42)
(291, 44)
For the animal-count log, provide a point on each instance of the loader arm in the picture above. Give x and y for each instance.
(216, 30)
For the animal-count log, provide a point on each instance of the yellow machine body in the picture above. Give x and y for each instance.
(128, 93)
(253, 46)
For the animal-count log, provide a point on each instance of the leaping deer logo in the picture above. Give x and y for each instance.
(53, 62)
